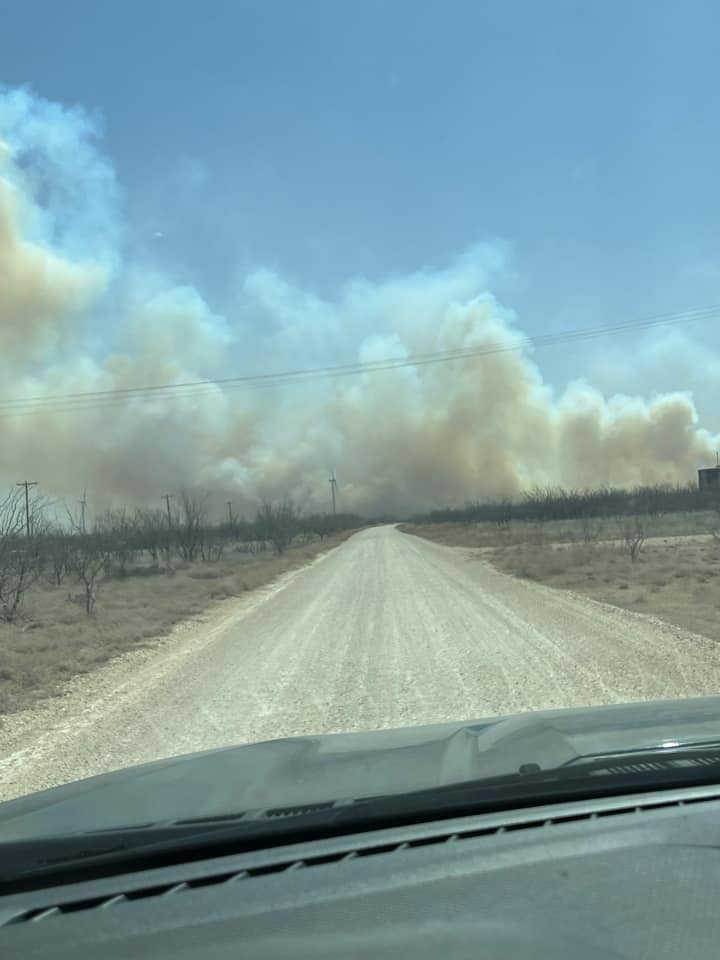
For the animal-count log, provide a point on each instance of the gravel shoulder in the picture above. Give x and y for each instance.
(385, 630)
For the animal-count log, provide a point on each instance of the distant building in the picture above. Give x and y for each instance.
(709, 478)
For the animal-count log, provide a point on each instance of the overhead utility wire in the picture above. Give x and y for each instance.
(103, 398)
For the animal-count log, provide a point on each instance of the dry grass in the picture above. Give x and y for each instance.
(55, 640)
(699, 523)
(676, 576)
(678, 582)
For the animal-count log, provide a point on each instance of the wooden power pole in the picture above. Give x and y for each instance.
(83, 504)
(27, 484)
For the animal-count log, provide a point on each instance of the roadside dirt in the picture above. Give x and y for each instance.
(54, 640)
(675, 577)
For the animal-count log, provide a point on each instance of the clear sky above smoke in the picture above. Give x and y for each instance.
(246, 186)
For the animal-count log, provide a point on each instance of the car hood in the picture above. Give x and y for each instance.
(313, 769)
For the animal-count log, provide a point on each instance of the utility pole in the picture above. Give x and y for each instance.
(27, 484)
(166, 497)
(83, 503)
(230, 513)
(333, 486)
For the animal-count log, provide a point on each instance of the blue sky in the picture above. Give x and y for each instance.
(335, 139)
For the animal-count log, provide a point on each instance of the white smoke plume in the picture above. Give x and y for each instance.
(77, 315)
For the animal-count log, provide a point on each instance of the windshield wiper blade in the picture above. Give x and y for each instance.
(64, 859)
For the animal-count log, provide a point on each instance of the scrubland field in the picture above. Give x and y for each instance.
(665, 565)
(71, 600)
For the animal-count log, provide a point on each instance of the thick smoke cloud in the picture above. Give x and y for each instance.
(77, 314)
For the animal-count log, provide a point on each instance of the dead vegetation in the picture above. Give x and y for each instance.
(652, 549)
(668, 567)
(577, 530)
(675, 580)
(72, 598)
(58, 640)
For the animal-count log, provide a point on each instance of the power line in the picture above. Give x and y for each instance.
(201, 387)
(68, 402)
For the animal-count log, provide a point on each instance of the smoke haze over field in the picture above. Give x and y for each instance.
(79, 312)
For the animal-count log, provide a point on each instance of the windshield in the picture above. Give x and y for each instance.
(358, 370)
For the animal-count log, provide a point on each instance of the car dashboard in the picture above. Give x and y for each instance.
(633, 876)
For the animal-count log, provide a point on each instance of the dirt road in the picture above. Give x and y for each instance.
(385, 630)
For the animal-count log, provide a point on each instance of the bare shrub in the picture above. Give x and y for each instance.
(212, 546)
(152, 534)
(56, 553)
(590, 529)
(89, 564)
(20, 559)
(118, 530)
(714, 527)
(12, 516)
(189, 525)
(504, 514)
(19, 569)
(321, 524)
(633, 533)
(278, 523)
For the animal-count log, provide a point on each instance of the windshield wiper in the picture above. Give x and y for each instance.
(69, 858)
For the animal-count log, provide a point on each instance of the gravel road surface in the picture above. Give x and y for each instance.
(385, 630)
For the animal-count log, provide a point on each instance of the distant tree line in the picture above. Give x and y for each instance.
(125, 542)
(557, 503)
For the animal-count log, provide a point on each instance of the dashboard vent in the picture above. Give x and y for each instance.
(259, 815)
(656, 765)
(285, 865)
